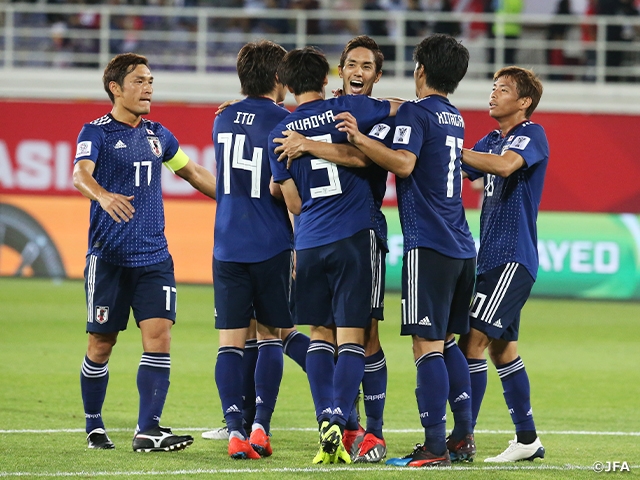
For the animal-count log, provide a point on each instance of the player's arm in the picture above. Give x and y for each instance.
(400, 162)
(275, 190)
(199, 177)
(116, 205)
(291, 196)
(500, 165)
(293, 145)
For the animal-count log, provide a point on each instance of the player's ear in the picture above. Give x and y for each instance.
(525, 102)
(326, 81)
(115, 88)
(378, 75)
(339, 71)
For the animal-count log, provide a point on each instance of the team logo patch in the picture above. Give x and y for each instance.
(380, 131)
(83, 149)
(402, 135)
(156, 147)
(102, 315)
(520, 142)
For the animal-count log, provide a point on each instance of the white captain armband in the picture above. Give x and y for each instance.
(178, 161)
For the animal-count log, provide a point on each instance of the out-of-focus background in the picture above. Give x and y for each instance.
(587, 53)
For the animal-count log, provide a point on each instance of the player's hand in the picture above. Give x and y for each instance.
(117, 206)
(226, 104)
(338, 92)
(349, 125)
(291, 146)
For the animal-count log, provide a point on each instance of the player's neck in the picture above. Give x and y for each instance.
(125, 116)
(425, 91)
(508, 123)
(307, 97)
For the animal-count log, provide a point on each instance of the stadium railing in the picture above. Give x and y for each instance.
(204, 40)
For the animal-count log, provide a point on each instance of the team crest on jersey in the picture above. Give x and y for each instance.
(151, 132)
(83, 149)
(402, 135)
(380, 131)
(156, 147)
(102, 315)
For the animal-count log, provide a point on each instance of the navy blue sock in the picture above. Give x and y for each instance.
(295, 346)
(229, 379)
(353, 422)
(268, 378)
(515, 383)
(320, 368)
(459, 389)
(94, 378)
(249, 385)
(153, 386)
(346, 380)
(431, 395)
(374, 389)
(478, 375)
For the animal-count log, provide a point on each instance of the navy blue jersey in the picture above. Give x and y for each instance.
(336, 201)
(251, 225)
(128, 161)
(383, 132)
(508, 230)
(429, 200)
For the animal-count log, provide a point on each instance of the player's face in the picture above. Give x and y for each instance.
(137, 90)
(359, 72)
(504, 100)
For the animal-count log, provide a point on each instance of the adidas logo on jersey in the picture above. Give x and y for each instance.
(120, 144)
(461, 397)
(425, 322)
(497, 323)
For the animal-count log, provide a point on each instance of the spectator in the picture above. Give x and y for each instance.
(510, 30)
(378, 29)
(557, 32)
(444, 26)
(616, 33)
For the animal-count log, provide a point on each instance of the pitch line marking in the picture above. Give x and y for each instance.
(225, 471)
(295, 429)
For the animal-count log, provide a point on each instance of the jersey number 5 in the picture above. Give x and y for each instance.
(455, 147)
(236, 161)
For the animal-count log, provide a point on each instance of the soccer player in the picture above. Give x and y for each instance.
(439, 252)
(360, 68)
(513, 160)
(117, 166)
(333, 243)
(253, 249)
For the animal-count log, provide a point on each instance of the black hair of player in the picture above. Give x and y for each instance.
(367, 42)
(445, 61)
(304, 70)
(257, 65)
(119, 67)
(527, 85)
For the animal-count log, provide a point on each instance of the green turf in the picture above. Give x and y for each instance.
(583, 360)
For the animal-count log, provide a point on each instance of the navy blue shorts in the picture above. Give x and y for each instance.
(112, 291)
(436, 292)
(500, 295)
(379, 270)
(257, 290)
(333, 283)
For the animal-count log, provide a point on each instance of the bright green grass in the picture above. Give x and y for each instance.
(583, 360)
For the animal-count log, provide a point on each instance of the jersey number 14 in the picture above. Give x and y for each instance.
(232, 158)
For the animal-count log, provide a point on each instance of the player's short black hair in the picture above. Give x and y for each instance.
(304, 70)
(257, 65)
(445, 61)
(367, 42)
(527, 85)
(119, 67)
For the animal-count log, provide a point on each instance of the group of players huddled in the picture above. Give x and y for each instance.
(300, 239)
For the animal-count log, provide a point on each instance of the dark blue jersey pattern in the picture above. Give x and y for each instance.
(383, 132)
(336, 201)
(128, 161)
(508, 230)
(429, 201)
(251, 225)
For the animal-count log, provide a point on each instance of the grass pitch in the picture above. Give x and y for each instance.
(582, 357)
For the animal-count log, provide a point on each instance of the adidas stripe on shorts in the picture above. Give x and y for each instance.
(500, 295)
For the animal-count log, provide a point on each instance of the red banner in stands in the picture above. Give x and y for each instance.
(592, 167)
